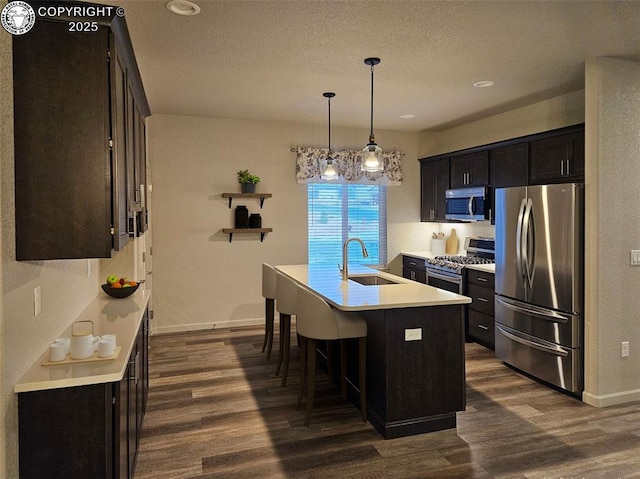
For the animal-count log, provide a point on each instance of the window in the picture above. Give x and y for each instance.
(337, 212)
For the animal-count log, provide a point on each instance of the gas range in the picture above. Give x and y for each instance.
(479, 251)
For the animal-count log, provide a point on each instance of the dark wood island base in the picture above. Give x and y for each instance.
(414, 385)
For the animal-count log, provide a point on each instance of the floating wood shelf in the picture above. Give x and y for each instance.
(261, 231)
(262, 196)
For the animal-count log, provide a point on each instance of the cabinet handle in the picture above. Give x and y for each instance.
(482, 326)
(567, 166)
(561, 167)
(482, 280)
(412, 263)
(483, 300)
(413, 275)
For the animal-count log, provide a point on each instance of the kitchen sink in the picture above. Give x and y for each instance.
(372, 280)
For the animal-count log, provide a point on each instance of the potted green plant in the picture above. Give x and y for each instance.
(247, 181)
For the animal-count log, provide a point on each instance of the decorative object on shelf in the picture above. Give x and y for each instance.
(372, 160)
(255, 220)
(247, 181)
(120, 292)
(309, 159)
(452, 243)
(328, 170)
(241, 217)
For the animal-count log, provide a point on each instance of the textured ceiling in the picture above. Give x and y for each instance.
(272, 60)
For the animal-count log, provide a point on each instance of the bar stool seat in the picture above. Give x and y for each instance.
(316, 320)
(287, 300)
(269, 295)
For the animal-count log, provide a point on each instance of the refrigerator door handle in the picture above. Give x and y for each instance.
(556, 350)
(545, 314)
(519, 264)
(528, 243)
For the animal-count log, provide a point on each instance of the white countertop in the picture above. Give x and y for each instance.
(121, 317)
(419, 254)
(487, 268)
(352, 296)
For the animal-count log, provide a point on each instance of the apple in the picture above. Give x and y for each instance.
(123, 281)
(112, 278)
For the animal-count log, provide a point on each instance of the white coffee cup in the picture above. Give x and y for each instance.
(106, 347)
(57, 352)
(66, 342)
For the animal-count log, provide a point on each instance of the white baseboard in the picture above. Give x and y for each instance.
(611, 399)
(181, 328)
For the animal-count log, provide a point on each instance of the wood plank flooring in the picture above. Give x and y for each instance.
(216, 410)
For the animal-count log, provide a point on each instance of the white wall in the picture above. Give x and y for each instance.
(200, 279)
(612, 230)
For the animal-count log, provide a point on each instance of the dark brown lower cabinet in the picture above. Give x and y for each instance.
(480, 313)
(88, 431)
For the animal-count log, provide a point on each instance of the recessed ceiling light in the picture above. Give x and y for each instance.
(484, 84)
(183, 7)
(407, 116)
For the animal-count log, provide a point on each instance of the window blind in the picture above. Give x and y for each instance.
(337, 212)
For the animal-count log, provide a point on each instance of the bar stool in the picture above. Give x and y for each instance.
(316, 320)
(269, 294)
(287, 299)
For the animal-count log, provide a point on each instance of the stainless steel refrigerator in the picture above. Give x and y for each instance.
(540, 282)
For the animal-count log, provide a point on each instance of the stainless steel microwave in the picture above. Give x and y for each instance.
(468, 204)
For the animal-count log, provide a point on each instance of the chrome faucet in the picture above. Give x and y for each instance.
(345, 256)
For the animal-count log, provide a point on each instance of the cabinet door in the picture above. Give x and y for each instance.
(434, 176)
(557, 159)
(61, 131)
(141, 172)
(470, 170)
(509, 166)
(67, 432)
(119, 153)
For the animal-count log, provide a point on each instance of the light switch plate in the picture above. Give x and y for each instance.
(635, 257)
(413, 334)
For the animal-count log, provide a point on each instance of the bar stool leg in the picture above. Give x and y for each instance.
(311, 366)
(269, 313)
(362, 376)
(287, 349)
(329, 351)
(303, 367)
(281, 343)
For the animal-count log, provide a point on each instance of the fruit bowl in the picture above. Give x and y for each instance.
(119, 292)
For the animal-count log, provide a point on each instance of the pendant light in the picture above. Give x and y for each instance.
(372, 160)
(328, 170)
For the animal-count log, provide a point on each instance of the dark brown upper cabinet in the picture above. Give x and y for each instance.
(434, 178)
(74, 152)
(470, 169)
(509, 165)
(559, 159)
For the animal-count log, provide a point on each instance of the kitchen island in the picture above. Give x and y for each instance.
(415, 346)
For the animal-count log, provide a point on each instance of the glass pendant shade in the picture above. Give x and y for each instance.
(372, 153)
(372, 158)
(328, 170)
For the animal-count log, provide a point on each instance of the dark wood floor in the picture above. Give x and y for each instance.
(217, 410)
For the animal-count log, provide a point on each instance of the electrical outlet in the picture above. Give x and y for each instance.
(635, 257)
(624, 349)
(37, 304)
(413, 334)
